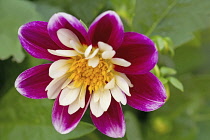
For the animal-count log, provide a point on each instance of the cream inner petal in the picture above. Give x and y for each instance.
(125, 78)
(93, 54)
(104, 47)
(59, 68)
(108, 54)
(118, 95)
(68, 96)
(82, 96)
(111, 84)
(54, 88)
(120, 62)
(65, 53)
(93, 61)
(74, 107)
(77, 47)
(88, 50)
(65, 35)
(105, 100)
(95, 108)
(123, 85)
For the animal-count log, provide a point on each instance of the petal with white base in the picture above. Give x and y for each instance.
(62, 120)
(112, 122)
(32, 82)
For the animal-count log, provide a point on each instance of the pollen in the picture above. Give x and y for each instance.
(92, 78)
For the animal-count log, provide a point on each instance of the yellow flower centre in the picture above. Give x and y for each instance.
(93, 78)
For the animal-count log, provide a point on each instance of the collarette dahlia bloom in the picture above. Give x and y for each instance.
(103, 67)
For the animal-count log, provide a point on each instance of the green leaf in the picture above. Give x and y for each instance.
(133, 130)
(125, 9)
(14, 14)
(176, 83)
(86, 10)
(23, 119)
(163, 80)
(177, 19)
(167, 71)
(46, 10)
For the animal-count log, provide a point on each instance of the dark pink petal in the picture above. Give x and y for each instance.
(32, 82)
(63, 20)
(35, 40)
(147, 94)
(140, 51)
(112, 122)
(62, 120)
(107, 28)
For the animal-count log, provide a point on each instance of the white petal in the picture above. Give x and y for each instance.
(96, 95)
(93, 62)
(96, 108)
(77, 47)
(88, 50)
(71, 85)
(118, 95)
(74, 107)
(104, 47)
(108, 54)
(82, 96)
(59, 68)
(68, 96)
(93, 54)
(105, 100)
(123, 85)
(66, 83)
(65, 35)
(110, 85)
(125, 78)
(120, 62)
(65, 53)
(54, 87)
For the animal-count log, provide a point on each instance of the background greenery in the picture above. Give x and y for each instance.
(185, 116)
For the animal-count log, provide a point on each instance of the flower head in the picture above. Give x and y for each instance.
(103, 67)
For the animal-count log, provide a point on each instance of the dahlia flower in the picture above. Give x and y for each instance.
(102, 67)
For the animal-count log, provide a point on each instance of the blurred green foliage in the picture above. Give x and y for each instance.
(180, 29)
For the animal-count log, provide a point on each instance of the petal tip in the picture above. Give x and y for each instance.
(116, 133)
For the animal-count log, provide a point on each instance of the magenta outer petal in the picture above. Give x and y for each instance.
(147, 94)
(64, 122)
(107, 28)
(35, 40)
(112, 122)
(32, 82)
(63, 20)
(140, 51)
